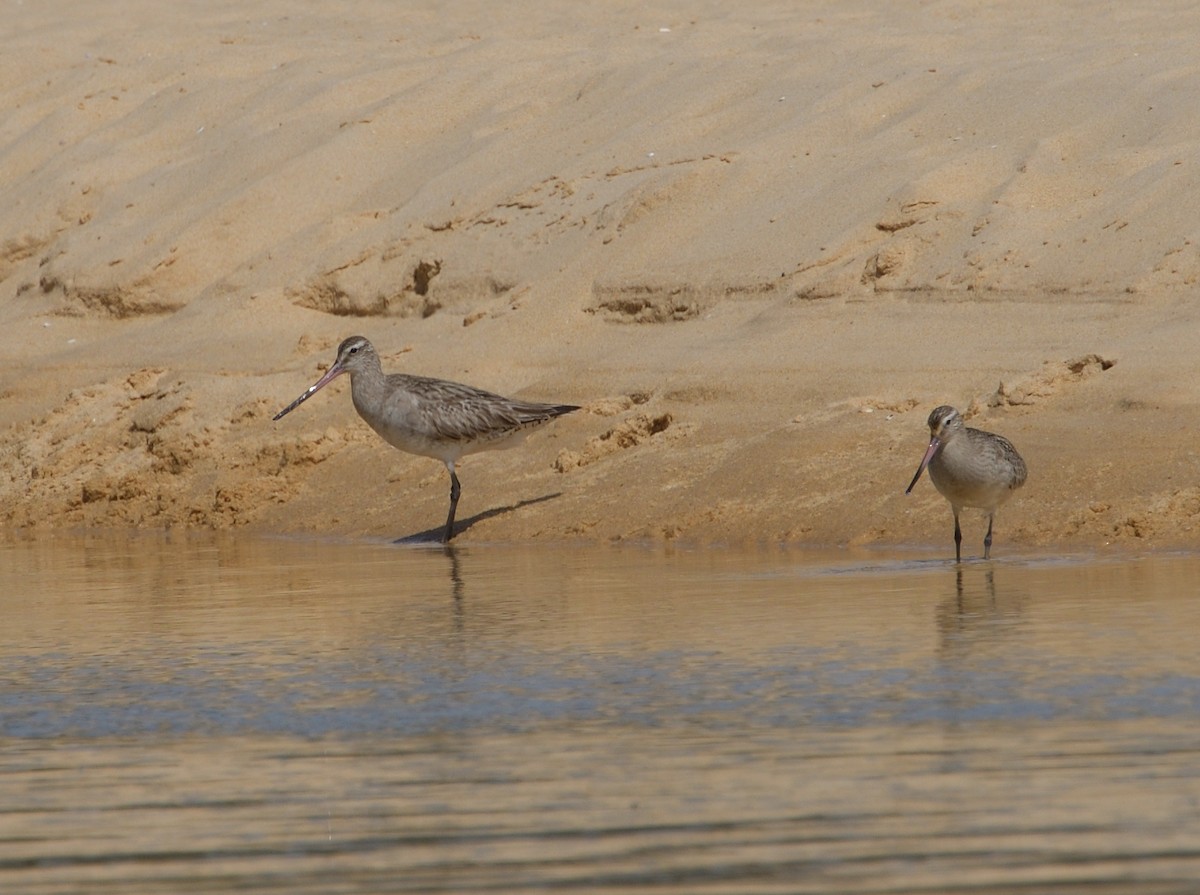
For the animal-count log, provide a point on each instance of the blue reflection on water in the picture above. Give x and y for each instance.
(382, 692)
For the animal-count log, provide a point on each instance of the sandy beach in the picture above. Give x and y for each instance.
(758, 244)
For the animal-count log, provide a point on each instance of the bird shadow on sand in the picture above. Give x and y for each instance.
(433, 536)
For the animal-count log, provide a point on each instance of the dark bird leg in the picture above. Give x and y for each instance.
(957, 539)
(455, 490)
(987, 540)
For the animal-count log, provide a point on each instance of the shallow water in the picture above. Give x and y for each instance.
(185, 715)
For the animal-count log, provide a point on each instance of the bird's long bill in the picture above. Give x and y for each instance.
(331, 374)
(934, 444)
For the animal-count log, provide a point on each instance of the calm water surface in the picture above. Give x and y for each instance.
(184, 715)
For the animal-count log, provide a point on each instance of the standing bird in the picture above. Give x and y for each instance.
(430, 417)
(970, 468)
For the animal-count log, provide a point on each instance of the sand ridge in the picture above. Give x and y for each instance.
(757, 245)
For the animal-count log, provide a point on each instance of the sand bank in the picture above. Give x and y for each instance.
(757, 245)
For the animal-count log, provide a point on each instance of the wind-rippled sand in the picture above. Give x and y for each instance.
(758, 243)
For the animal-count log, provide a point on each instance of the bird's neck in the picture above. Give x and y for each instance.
(368, 386)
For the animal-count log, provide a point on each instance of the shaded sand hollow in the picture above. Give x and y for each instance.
(758, 242)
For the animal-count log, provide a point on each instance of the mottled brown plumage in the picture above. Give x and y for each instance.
(430, 417)
(970, 468)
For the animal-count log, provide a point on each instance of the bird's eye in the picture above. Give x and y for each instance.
(354, 350)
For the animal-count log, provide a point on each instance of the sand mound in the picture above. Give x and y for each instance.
(759, 242)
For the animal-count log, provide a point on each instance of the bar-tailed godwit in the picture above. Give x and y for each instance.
(970, 468)
(430, 417)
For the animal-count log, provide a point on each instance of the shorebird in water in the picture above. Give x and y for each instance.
(970, 468)
(430, 417)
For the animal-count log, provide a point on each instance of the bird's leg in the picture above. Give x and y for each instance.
(957, 539)
(987, 540)
(455, 490)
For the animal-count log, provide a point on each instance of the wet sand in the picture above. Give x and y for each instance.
(759, 246)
